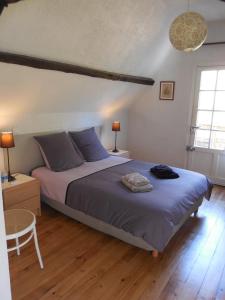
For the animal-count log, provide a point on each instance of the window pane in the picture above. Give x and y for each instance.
(217, 140)
(218, 121)
(208, 80)
(206, 100)
(221, 80)
(220, 101)
(202, 138)
(204, 119)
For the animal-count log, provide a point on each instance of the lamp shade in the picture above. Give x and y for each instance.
(188, 31)
(116, 126)
(7, 139)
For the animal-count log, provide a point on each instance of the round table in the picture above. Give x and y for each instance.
(19, 222)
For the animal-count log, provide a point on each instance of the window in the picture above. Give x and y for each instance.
(210, 122)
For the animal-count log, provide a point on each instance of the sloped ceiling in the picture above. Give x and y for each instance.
(108, 34)
(124, 36)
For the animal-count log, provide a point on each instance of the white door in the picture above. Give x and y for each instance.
(206, 149)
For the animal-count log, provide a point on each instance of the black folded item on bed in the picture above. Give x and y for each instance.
(164, 172)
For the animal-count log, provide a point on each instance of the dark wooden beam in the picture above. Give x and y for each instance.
(45, 64)
(12, 1)
(214, 43)
(4, 3)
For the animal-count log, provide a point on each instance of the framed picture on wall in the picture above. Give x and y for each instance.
(167, 90)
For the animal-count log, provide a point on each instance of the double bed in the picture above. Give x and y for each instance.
(93, 194)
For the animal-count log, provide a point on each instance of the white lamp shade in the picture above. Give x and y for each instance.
(188, 31)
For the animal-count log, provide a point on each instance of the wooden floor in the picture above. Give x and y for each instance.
(81, 263)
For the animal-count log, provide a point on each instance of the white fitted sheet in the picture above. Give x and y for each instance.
(54, 184)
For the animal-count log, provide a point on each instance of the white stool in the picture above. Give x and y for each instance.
(19, 222)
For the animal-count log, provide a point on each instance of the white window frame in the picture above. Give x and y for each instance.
(195, 105)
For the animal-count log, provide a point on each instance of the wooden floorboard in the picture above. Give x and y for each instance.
(81, 263)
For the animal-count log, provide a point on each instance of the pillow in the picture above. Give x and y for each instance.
(89, 144)
(77, 150)
(58, 151)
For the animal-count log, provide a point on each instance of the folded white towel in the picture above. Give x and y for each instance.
(137, 189)
(136, 179)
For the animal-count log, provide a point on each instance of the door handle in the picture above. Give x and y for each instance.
(193, 128)
(190, 148)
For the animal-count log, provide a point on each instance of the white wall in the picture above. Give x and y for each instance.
(5, 291)
(80, 32)
(158, 130)
(38, 100)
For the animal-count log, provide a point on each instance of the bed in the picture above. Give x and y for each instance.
(94, 195)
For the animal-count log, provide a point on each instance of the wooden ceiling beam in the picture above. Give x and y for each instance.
(12, 1)
(214, 43)
(40, 63)
(4, 3)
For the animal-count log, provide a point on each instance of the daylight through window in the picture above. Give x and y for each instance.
(211, 111)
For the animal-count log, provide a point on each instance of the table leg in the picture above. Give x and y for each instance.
(17, 245)
(37, 248)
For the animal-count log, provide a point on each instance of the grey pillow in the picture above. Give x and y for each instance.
(58, 151)
(89, 144)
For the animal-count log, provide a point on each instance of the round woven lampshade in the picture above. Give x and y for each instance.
(188, 31)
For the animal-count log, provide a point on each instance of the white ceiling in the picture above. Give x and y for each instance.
(212, 9)
(116, 35)
(126, 36)
(91, 31)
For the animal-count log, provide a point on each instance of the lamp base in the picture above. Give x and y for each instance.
(115, 150)
(11, 178)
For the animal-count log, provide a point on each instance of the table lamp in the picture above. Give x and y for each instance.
(116, 128)
(7, 141)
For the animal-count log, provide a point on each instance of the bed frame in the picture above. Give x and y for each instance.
(26, 156)
(111, 230)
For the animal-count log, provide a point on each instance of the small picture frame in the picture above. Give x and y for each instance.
(167, 89)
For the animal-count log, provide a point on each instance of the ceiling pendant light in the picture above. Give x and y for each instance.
(188, 31)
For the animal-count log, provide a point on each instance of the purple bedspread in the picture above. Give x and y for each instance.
(152, 215)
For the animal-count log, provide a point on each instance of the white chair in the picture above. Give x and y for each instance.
(18, 223)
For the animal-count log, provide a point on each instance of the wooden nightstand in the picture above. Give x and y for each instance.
(24, 192)
(121, 153)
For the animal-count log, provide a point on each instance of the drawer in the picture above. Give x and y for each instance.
(32, 204)
(21, 193)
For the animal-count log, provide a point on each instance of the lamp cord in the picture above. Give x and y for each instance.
(115, 140)
(9, 173)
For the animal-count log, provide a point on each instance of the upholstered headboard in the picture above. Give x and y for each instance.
(26, 155)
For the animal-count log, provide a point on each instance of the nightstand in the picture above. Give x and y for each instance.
(24, 193)
(121, 153)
